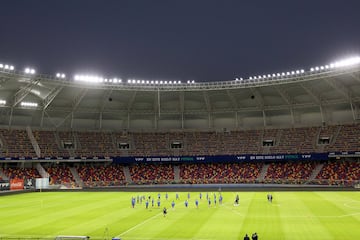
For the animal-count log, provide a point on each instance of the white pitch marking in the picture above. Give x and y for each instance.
(139, 224)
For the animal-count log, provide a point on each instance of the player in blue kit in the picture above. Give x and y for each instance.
(186, 203)
(220, 199)
(197, 203)
(147, 204)
(133, 202)
(173, 204)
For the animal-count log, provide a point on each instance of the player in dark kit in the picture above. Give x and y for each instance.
(246, 237)
(164, 211)
(237, 200)
(254, 236)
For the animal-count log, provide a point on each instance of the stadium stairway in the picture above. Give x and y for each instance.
(316, 171)
(127, 174)
(3, 176)
(176, 173)
(263, 172)
(77, 178)
(42, 171)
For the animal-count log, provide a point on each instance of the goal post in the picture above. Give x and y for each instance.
(68, 237)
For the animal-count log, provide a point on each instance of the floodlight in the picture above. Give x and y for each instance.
(348, 62)
(302, 71)
(269, 75)
(133, 81)
(255, 77)
(317, 68)
(156, 82)
(142, 81)
(7, 66)
(283, 74)
(152, 82)
(2, 102)
(27, 70)
(1, 65)
(297, 71)
(312, 69)
(273, 75)
(278, 74)
(115, 80)
(12, 68)
(332, 65)
(60, 75)
(161, 82)
(250, 78)
(322, 67)
(326, 66)
(287, 73)
(264, 76)
(292, 72)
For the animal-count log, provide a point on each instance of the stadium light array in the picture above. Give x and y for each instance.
(341, 63)
(88, 78)
(347, 62)
(7, 67)
(29, 104)
(60, 75)
(30, 71)
(2, 102)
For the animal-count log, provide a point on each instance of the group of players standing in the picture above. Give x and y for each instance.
(254, 236)
(210, 200)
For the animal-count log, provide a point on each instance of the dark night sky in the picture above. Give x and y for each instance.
(205, 40)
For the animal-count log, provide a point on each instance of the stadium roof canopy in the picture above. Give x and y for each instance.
(327, 94)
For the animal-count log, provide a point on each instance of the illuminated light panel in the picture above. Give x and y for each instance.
(2, 102)
(88, 78)
(29, 104)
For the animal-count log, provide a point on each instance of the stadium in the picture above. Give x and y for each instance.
(66, 141)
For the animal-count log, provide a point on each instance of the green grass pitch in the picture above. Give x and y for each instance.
(103, 215)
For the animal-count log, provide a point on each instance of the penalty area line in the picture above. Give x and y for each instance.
(139, 224)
